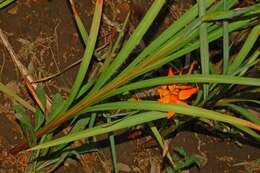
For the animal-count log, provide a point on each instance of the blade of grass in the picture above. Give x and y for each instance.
(80, 125)
(182, 109)
(225, 43)
(186, 79)
(160, 140)
(131, 43)
(80, 25)
(223, 102)
(244, 112)
(17, 98)
(113, 148)
(143, 118)
(168, 34)
(249, 132)
(81, 28)
(81, 105)
(251, 61)
(204, 48)
(108, 57)
(5, 3)
(179, 40)
(191, 46)
(226, 15)
(106, 128)
(26, 125)
(91, 42)
(249, 43)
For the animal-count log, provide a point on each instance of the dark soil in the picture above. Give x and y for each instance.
(44, 34)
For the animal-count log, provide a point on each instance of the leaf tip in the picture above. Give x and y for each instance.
(72, 3)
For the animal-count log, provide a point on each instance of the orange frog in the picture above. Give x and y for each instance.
(176, 93)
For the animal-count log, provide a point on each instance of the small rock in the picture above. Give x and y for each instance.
(123, 167)
(13, 10)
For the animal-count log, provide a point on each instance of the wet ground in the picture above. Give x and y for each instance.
(44, 35)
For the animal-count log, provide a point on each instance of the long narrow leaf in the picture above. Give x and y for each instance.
(80, 25)
(192, 46)
(245, 113)
(223, 102)
(225, 43)
(182, 109)
(105, 128)
(224, 15)
(143, 118)
(91, 42)
(186, 79)
(251, 39)
(5, 3)
(14, 96)
(249, 131)
(204, 48)
(113, 148)
(168, 34)
(160, 140)
(132, 42)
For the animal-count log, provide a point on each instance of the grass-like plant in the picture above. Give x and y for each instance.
(4, 3)
(199, 26)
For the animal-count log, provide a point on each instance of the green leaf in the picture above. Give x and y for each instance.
(41, 94)
(55, 105)
(17, 98)
(188, 162)
(113, 148)
(129, 121)
(144, 118)
(91, 42)
(132, 42)
(225, 42)
(224, 102)
(180, 151)
(61, 160)
(244, 113)
(249, 132)
(25, 124)
(243, 53)
(157, 81)
(224, 15)
(82, 30)
(251, 61)
(204, 49)
(160, 140)
(175, 28)
(190, 46)
(79, 126)
(5, 3)
(181, 109)
(39, 119)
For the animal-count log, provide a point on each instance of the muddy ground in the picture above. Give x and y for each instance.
(45, 37)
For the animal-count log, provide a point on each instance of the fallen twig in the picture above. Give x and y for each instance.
(57, 74)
